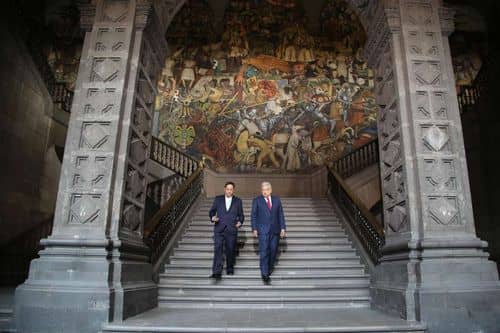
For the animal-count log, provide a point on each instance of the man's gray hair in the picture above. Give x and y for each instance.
(265, 184)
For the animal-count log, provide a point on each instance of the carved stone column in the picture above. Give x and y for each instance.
(433, 268)
(95, 267)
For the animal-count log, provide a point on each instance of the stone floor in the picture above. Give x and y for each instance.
(6, 309)
(264, 320)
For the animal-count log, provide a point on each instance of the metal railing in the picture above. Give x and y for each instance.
(172, 158)
(357, 160)
(61, 95)
(468, 96)
(368, 229)
(159, 230)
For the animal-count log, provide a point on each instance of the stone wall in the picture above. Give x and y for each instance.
(29, 169)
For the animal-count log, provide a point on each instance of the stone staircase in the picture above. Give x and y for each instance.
(318, 267)
(319, 283)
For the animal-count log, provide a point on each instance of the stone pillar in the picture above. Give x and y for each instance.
(433, 268)
(95, 267)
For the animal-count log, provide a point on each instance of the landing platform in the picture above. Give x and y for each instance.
(362, 320)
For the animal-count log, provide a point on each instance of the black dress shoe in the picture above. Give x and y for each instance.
(230, 273)
(266, 279)
(217, 276)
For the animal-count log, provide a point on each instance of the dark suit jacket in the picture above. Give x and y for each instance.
(267, 221)
(227, 218)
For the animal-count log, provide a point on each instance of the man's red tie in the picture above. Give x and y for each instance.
(268, 203)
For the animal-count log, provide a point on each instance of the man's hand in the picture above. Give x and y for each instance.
(238, 224)
(283, 233)
(255, 233)
(215, 219)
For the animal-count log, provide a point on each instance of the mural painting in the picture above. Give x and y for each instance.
(266, 94)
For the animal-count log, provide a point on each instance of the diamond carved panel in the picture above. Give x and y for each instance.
(102, 101)
(91, 171)
(85, 208)
(132, 217)
(394, 187)
(110, 39)
(142, 122)
(443, 210)
(435, 138)
(115, 11)
(95, 135)
(138, 151)
(106, 69)
(427, 73)
(392, 153)
(440, 175)
(419, 14)
(397, 218)
(135, 184)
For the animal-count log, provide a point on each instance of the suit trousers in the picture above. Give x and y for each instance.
(225, 239)
(268, 249)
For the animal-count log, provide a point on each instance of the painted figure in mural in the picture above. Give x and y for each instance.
(265, 150)
(292, 158)
(266, 93)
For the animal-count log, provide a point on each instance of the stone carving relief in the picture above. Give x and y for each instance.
(397, 221)
(444, 210)
(105, 69)
(95, 135)
(435, 138)
(102, 101)
(85, 208)
(419, 14)
(427, 73)
(91, 171)
(110, 40)
(440, 175)
(115, 11)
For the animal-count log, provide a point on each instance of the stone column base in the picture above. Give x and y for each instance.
(449, 289)
(76, 286)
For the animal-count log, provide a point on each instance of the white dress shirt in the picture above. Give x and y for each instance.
(228, 202)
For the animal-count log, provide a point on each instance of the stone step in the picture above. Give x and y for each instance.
(288, 249)
(289, 223)
(286, 261)
(255, 279)
(243, 294)
(7, 324)
(285, 269)
(291, 234)
(326, 209)
(288, 241)
(277, 318)
(270, 302)
(291, 230)
(296, 256)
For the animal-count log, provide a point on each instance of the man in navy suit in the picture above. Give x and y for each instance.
(268, 224)
(227, 215)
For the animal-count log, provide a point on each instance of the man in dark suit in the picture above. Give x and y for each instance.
(227, 215)
(268, 224)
